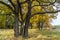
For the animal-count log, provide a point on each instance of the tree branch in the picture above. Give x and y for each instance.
(5, 14)
(12, 3)
(29, 9)
(20, 8)
(47, 2)
(50, 3)
(24, 2)
(6, 5)
(49, 12)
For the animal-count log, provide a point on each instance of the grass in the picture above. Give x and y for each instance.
(34, 34)
(6, 34)
(51, 34)
(46, 35)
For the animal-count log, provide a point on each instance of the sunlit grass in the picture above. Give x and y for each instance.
(34, 34)
(6, 34)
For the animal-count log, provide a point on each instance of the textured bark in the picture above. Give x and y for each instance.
(26, 29)
(16, 23)
(27, 19)
(16, 26)
(21, 30)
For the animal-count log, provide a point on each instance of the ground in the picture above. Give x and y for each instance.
(34, 34)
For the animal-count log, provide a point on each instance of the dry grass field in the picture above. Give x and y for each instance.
(34, 34)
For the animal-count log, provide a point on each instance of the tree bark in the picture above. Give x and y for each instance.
(26, 29)
(21, 29)
(27, 19)
(16, 26)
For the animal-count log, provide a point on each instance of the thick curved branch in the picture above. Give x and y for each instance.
(49, 12)
(12, 3)
(6, 5)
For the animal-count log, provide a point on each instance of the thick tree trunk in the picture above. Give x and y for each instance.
(16, 26)
(27, 20)
(16, 23)
(26, 29)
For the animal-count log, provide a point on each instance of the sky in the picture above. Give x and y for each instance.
(57, 20)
